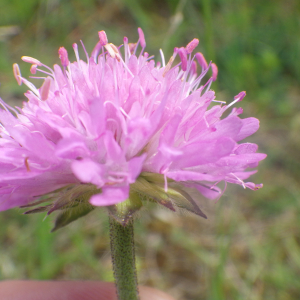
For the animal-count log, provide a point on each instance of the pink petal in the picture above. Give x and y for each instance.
(250, 125)
(203, 152)
(72, 149)
(110, 196)
(89, 171)
(135, 166)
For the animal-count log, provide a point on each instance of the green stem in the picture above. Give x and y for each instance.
(123, 259)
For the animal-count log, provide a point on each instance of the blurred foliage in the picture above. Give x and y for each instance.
(249, 248)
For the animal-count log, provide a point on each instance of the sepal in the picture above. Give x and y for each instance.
(71, 214)
(153, 187)
(72, 201)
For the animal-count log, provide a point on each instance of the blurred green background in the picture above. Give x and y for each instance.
(249, 248)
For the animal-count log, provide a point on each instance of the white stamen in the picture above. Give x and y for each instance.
(86, 54)
(124, 113)
(162, 58)
(75, 48)
(166, 183)
(240, 180)
(113, 51)
(31, 86)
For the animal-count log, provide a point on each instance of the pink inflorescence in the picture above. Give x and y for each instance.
(119, 124)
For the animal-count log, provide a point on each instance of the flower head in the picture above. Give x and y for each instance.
(118, 129)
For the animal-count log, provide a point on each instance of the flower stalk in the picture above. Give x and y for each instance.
(123, 259)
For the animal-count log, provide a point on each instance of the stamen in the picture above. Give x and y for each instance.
(162, 58)
(150, 57)
(113, 51)
(219, 101)
(126, 53)
(103, 38)
(193, 68)
(31, 60)
(63, 56)
(183, 56)
(17, 73)
(208, 84)
(175, 52)
(191, 46)
(240, 180)
(214, 69)
(75, 47)
(33, 69)
(132, 47)
(31, 86)
(86, 54)
(42, 71)
(205, 120)
(166, 182)
(115, 48)
(116, 54)
(240, 96)
(7, 108)
(124, 113)
(201, 60)
(168, 66)
(199, 78)
(141, 38)
(27, 164)
(96, 51)
(36, 77)
(45, 88)
(258, 186)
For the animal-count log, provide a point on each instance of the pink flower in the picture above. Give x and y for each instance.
(120, 126)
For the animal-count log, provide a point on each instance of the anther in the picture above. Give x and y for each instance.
(45, 88)
(193, 68)
(132, 47)
(240, 96)
(183, 56)
(27, 164)
(191, 46)
(31, 60)
(75, 48)
(201, 60)
(113, 51)
(33, 69)
(63, 56)
(142, 38)
(102, 37)
(214, 69)
(168, 66)
(17, 73)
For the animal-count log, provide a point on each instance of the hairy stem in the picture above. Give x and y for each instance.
(123, 259)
